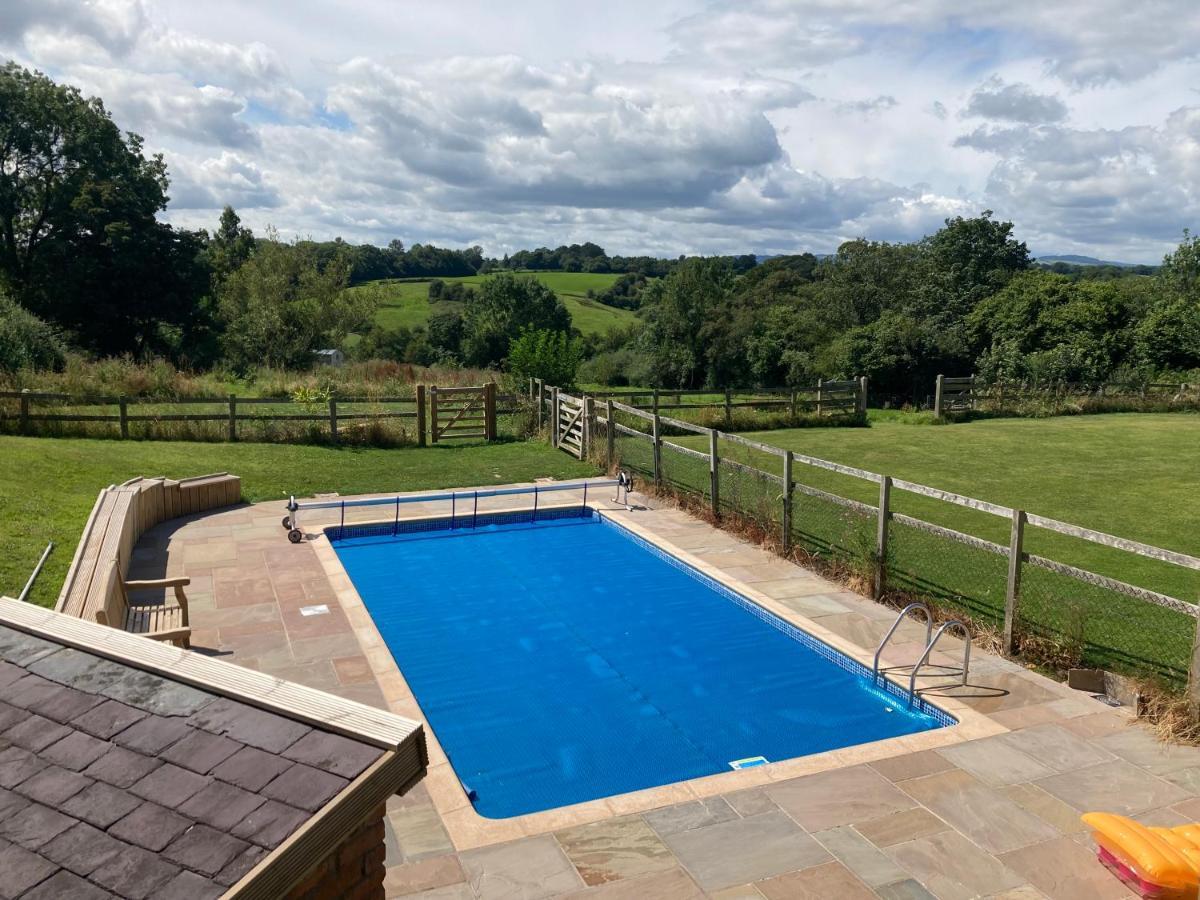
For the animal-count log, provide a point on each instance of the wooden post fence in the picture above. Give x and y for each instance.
(554, 413)
(728, 408)
(489, 411)
(25, 411)
(881, 535)
(589, 423)
(937, 397)
(433, 413)
(714, 471)
(862, 394)
(420, 415)
(610, 436)
(657, 434)
(123, 409)
(787, 502)
(232, 417)
(333, 432)
(654, 401)
(1012, 592)
(820, 394)
(541, 404)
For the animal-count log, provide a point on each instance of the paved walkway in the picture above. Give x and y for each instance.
(996, 815)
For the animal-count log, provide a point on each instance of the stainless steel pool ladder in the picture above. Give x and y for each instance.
(900, 618)
(946, 626)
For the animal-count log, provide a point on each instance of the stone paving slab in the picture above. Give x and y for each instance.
(994, 813)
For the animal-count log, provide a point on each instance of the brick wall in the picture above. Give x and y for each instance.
(354, 870)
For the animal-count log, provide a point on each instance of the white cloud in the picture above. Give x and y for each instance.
(1014, 103)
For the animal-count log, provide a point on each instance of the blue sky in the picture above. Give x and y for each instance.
(666, 128)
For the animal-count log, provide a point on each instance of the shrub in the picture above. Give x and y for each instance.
(552, 356)
(26, 342)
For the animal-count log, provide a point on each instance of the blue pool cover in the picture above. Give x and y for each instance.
(564, 661)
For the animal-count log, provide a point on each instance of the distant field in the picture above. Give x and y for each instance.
(406, 303)
(1134, 475)
(48, 485)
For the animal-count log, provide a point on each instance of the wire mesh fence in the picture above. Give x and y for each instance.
(1063, 616)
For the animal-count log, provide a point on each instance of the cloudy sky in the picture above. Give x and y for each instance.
(652, 127)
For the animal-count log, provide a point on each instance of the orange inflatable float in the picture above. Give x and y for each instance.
(1158, 863)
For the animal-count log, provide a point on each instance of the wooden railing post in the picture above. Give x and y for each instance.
(541, 403)
(589, 425)
(489, 411)
(610, 437)
(1012, 593)
(333, 431)
(937, 398)
(654, 402)
(714, 471)
(657, 434)
(420, 415)
(728, 409)
(787, 502)
(554, 414)
(123, 409)
(1193, 684)
(793, 402)
(25, 411)
(881, 535)
(862, 393)
(820, 394)
(433, 414)
(232, 417)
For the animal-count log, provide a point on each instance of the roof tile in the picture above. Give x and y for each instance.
(150, 826)
(34, 825)
(108, 718)
(249, 858)
(169, 785)
(255, 727)
(201, 751)
(76, 751)
(35, 733)
(268, 825)
(22, 869)
(101, 804)
(65, 886)
(82, 849)
(17, 764)
(333, 753)
(157, 695)
(53, 785)
(80, 670)
(204, 850)
(10, 715)
(10, 802)
(9, 673)
(22, 649)
(221, 805)
(121, 768)
(49, 699)
(189, 886)
(251, 768)
(305, 787)
(135, 874)
(153, 734)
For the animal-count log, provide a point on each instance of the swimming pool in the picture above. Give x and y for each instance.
(568, 659)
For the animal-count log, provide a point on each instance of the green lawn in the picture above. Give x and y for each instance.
(1135, 475)
(48, 485)
(406, 303)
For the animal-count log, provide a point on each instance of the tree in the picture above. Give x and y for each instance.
(230, 246)
(677, 310)
(552, 356)
(26, 342)
(79, 243)
(281, 305)
(504, 306)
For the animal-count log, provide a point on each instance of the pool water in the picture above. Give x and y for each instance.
(568, 660)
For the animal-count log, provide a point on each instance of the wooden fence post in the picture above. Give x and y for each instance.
(881, 535)
(728, 409)
(554, 414)
(489, 411)
(123, 409)
(433, 414)
(820, 394)
(25, 411)
(657, 449)
(589, 414)
(714, 471)
(937, 398)
(787, 502)
(654, 401)
(793, 400)
(232, 417)
(1193, 685)
(862, 393)
(541, 404)
(333, 432)
(420, 415)
(530, 387)
(1012, 593)
(610, 437)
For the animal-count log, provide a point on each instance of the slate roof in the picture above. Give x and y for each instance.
(116, 781)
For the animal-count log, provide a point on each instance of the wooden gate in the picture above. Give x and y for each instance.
(569, 424)
(462, 412)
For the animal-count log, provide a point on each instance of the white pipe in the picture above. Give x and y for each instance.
(36, 571)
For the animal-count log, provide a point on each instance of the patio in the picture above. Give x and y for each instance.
(989, 807)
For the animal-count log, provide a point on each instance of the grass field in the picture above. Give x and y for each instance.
(1134, 475)
(48, 485)
(406, 303)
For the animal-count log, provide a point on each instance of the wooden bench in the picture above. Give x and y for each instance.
(157, 620)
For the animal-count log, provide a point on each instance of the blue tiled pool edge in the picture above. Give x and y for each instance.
(472, 520)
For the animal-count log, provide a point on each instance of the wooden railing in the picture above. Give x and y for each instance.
(971, 393)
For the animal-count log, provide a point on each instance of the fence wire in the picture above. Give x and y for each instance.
(839, 532)
(751, 494)
(685, 471)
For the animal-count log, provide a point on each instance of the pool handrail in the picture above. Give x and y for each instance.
(900, 618)
(953, 623)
